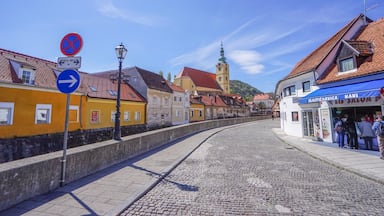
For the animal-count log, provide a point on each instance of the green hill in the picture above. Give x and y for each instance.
(245, 90)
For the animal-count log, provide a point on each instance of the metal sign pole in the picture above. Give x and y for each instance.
(64, 159)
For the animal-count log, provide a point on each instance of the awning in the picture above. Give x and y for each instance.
(357, 90)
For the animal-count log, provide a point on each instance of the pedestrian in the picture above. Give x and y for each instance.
(366, 133)
(340, 130)
(380, 139)
(351, 129)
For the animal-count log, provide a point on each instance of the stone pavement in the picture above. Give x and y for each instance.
(110, 191)
(361, 162)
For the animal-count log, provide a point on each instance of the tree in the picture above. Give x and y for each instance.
(161, 73)
(169, 76)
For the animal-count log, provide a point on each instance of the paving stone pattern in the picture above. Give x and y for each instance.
(249, 171)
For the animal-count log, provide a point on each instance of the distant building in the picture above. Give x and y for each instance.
(200, 82)
(263, 103)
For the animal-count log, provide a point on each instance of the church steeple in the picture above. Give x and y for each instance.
(222, 72)
(222, 58)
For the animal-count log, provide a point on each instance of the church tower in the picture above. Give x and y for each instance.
(222, 72)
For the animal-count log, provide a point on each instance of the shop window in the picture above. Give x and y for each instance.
(73, 113)
(6, 113)
(295, 116)
(306, 86)
(290, 90)
(43, 113)
(95, 116)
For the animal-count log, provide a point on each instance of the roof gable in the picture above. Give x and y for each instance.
(315, 58)
(370, 45)
(153, 80)
(11, 62)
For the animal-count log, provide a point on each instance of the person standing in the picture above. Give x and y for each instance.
(366, 133)
(380, 139)
(351, 129)
(340, 130)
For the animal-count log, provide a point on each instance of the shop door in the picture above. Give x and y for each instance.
(308, 123)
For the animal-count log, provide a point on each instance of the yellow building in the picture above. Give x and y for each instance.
(197, 109)
(100, 106)
(31, 104)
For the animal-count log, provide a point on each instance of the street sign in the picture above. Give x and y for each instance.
(71, 44)
(68, 81)
(69, 62)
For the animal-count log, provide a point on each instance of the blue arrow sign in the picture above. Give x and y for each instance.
(68, 81)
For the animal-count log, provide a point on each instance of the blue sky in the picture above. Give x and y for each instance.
(262, 40)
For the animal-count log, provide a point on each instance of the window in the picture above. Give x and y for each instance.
(113, 116)
(191, 113)
(174, 98)
(177, 113)
(93, 88)
(347, 64)
(295, 116)
(6, 113)
(95, 116)
(73, 113)
(112, 92)
(166, 101)
(290, 90)
(43, 114)
(27, 77)
(154, 100)
(306, 86)
(126, 116)
(200, 113)
(137, 116)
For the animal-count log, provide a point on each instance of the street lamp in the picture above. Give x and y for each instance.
(121, 51)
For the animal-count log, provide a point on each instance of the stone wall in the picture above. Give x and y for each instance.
(26, 178)
(24, 147)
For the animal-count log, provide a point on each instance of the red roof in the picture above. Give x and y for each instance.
(44, 70)
(201, 78)
(175, 87)
(262, 97)
(212, 100)
(373, 33)
(100, 87)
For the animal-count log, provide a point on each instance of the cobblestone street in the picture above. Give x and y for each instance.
(246, 170)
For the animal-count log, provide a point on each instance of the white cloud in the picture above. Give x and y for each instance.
(248, 60)
(108, 9)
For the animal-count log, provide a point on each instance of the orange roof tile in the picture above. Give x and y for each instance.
(212, 101)
(99, 87)
(374, 34)
(44, 70)
(262, 97)
(175, 87)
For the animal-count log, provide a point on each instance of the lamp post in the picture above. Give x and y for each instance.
(121, 51)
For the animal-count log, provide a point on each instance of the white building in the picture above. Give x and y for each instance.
(342, 76)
